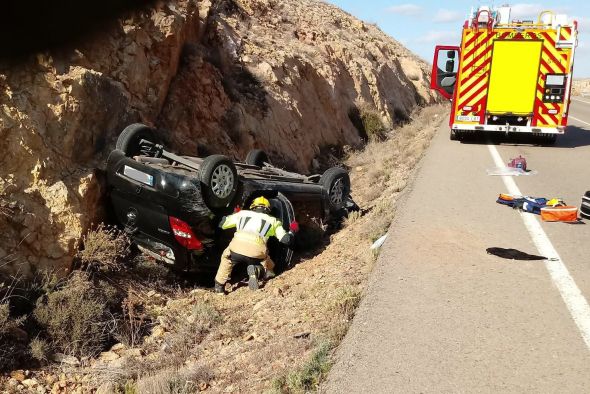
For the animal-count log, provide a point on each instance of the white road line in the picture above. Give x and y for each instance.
(579, 120)
(571, 294)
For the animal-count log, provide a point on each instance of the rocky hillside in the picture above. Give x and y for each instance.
(581, 87)
(214, 76)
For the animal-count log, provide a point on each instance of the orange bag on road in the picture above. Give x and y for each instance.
(564, 213)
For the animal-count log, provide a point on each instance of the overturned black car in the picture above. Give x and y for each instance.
(171, 205)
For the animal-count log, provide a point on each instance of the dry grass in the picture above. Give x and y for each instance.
(185, 329)
(308, 377)
(174, 381)
(383, 168)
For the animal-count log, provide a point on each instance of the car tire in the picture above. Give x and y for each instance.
(336, 184)
(129, 139)
(219, 178)
(257, 157)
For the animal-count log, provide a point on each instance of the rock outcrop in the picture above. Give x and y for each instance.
(219, 76)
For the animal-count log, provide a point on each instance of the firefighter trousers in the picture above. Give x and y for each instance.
(249, 249)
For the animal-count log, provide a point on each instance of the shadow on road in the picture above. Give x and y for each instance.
(513, 254)
(574, 137)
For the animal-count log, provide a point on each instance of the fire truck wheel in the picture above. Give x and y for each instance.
(453, 135)
(550, 139)
(546, 139)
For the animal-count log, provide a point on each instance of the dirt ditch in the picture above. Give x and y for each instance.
(277, 339)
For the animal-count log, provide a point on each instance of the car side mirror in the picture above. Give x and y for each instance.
(450, 66)
(448, 81)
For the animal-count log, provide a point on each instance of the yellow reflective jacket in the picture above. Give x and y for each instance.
(254, 226)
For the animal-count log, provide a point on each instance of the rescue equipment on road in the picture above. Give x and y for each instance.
(551, 210)
(519, 162)
(561, 213)
(508, 76)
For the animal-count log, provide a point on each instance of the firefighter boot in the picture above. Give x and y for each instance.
(254, 272)
(268, 274)
(219, 288)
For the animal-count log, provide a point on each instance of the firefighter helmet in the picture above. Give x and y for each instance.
(260, 202)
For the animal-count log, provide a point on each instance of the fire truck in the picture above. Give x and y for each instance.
(508, 76)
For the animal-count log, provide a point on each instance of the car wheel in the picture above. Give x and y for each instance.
(257, 157)
(129, 139)
(336, 184)
(220, 179)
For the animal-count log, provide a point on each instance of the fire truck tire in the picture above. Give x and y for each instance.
(453, 135)
(545, 139)
(550, 139)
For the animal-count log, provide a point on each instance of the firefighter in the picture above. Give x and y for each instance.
(253, 229)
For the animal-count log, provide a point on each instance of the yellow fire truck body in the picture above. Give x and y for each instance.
(511, 76)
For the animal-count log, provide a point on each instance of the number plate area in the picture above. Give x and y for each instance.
(138, 176)
(468, 118)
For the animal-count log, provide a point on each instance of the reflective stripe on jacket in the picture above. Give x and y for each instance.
(254, 226)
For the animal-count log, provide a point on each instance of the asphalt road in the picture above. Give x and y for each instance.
(441, 315)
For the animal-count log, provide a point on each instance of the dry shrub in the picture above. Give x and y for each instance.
(104, 249)
(13, 349)
(76, 317)
(134, 323)
(9, 346)
(368, 122)
(352, 217)
(39, 349)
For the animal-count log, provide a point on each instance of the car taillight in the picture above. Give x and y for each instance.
(184, 235)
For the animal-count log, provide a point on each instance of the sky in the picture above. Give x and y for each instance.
(420, 25)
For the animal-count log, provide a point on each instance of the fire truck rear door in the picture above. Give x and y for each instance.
(514, 73)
